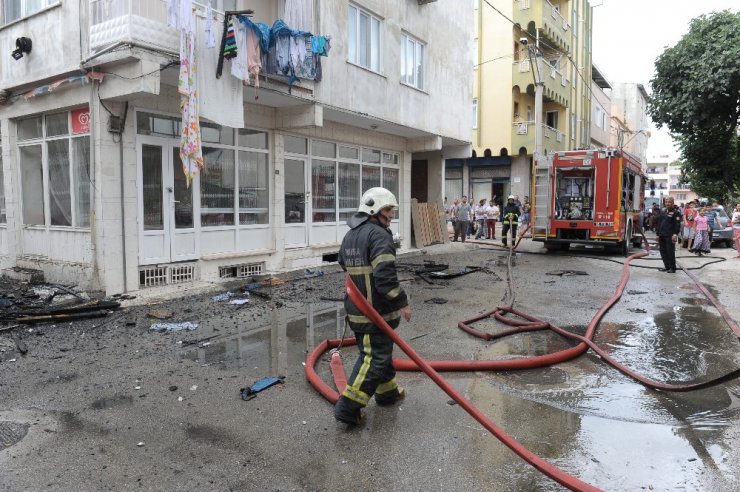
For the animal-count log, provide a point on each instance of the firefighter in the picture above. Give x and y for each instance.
(368, 255)
(510, 219)
(667, 225)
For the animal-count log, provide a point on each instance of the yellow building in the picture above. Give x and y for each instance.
(509, 36)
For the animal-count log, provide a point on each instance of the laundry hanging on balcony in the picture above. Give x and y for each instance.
(276, 50)
(191, 152)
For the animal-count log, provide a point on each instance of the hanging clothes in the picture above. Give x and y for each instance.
(210, 27)
(186, 15)
(239, 61)
(173, 11)
(230, 47)
(254, 58)
(219, 100)
(297, 51)
(191, 152)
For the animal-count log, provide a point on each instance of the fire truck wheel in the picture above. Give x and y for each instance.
(564, 246)
(551, 246)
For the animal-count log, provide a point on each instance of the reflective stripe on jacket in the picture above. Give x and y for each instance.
(368, 255)
(511, 212)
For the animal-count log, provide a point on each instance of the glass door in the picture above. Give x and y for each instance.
(166, 215)
(297, 203)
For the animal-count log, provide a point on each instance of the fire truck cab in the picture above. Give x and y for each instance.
(592, 197)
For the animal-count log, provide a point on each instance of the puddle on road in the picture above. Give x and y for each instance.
(595, 422)
(279, 347)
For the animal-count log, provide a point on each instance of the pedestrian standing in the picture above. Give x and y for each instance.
(711, 216)
(687, 235)
(480, 217)
(369, 257)
(701, 244)
(736, 228)
(492, 214)
(525, 217)
(463, 214)
(510, 220)
(667, 225)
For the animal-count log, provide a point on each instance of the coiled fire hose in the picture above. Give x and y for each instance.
(529, 324)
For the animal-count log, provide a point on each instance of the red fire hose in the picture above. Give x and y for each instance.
(525, 323)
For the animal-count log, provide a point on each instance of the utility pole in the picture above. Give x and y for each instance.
(539, 89)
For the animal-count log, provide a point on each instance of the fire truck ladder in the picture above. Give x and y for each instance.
(543, 196)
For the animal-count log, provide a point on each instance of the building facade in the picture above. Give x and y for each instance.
(509, 38)
(601, 108)
(664, 175)
(91, 120)
(630, 119)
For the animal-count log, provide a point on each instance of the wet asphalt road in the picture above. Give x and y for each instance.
(72, 418)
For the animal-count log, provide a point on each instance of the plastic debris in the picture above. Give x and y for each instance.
(222, 297)
(239, 302)
(313, 273)
(187, 325)
(140, 444)
(173, 388)
(160, 313)
(436, 300)
(261, 385)
(180, 398)
(194, 387)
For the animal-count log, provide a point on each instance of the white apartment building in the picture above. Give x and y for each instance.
(664, 174)
(93, 187)
(630, 119)
(600, 109)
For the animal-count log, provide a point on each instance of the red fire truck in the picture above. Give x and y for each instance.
(589, 197)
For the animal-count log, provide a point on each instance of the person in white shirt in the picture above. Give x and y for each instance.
(480, 217)
(492, 216)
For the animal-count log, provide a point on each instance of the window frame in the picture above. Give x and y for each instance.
(354, 46)
(43, 141)
(475, 113)
(363, 164)
(417, 44)
(23, 4)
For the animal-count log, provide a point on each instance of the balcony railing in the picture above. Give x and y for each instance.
(557, 85)
(547, 17)
(524, 133)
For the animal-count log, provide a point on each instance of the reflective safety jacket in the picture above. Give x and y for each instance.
(511, 212)
(368, 255)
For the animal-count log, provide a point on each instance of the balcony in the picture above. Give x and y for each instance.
(541, 14)
(137, 22)
(523, 136)
(557, 85)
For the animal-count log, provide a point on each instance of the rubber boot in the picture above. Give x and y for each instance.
(392, 400)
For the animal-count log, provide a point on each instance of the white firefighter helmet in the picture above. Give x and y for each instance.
(376, 199)
(511, 197)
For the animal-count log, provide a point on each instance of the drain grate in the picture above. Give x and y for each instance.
(11, 433)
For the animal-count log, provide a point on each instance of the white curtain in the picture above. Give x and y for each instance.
(299, 14)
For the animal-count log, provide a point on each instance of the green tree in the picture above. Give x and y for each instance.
(696, 94)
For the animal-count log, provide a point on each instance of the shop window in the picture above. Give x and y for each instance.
(370, 177)
(295, 145)
(364, 38)
(54, 155)
(323, 179)
(254, 181)
(349, 189)
(217, 187)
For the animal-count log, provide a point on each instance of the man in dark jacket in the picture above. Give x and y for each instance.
(510, 218)
(667, 225)
(369, 257)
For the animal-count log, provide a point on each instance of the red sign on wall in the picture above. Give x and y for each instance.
(81, 121)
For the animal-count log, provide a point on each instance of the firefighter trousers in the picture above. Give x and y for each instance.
(505, 231)
(373, 375)
(667, 252)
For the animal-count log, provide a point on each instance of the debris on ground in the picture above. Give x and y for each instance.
(261, 385)
(455, 273)
(239, 302)
(160, 313)
(332, 299)
(637, 310)
(566, 273)
(312, 273)
(184, 326)
(19, 343)
(222, 297)
(636, 292)
(436, 300)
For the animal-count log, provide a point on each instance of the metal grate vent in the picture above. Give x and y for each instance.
(153, 276)
(250, 270)
(182, 273)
